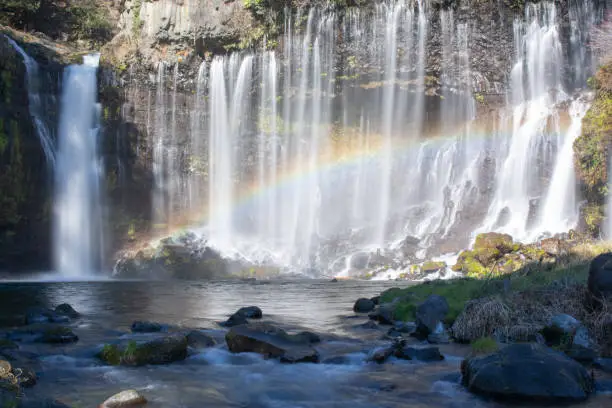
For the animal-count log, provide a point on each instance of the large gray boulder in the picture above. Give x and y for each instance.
(271, 342)
(430, 315)
(600, 276)
(164, 349)
(528, 371)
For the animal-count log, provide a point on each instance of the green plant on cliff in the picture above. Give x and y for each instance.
(90, 21)
(137, 22)
(18, 13)
(592, 148)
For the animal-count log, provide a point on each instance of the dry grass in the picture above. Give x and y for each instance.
(480, 318)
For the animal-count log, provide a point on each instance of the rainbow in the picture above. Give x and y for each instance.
(339, 156)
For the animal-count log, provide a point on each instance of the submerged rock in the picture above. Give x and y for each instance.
(528, 371)
(363, 305)
(421, 353)
(146, 327)
(198, 339)
(235, 320)
(44, 333)
(250, 312)
(161, 350)
(271, 342)
(128, 398)
(67, 310)
(37, 315)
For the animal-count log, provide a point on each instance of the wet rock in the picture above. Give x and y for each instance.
(128, 398)
(421, 353)
(146, 327)
(336, 360)
(363, 305)
(438, 338)
(235, 320)
(270, 342)
(44, 333)
(432, 267)
(334, 280)
(37, 315)
(604, 364)
(369, 325)
(27, 377)
(380, 355)
(571, 336)
(600, 276)
(67, 310)
(6, 344)
(405, 327)
(375, 300)
(530, 372)
(383, 315)
(250, 312)
(307, 337)
(161, 350)
(199, 340)
(430, 314)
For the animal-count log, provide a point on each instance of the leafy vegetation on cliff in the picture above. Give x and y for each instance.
(592, 149)
(78, 19)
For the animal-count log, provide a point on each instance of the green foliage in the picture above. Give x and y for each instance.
(592, 149)
(90, 21)
(110, 354)
(18, 13)
(137, 22)
(484, 345)
(458, 291)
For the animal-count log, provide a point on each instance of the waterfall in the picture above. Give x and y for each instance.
(535, 139)
(342, 145)
(77, 223)
(33, 82)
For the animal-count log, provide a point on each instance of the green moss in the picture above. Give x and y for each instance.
(469, 264)
(137, 22)
(484, 345)
(432, 266)
(110, 354)
(458, 291)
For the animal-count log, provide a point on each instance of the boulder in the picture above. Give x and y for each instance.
(146, 327)
(199, 340)
(555, 246)
(128, 398)
(307, 337)
(235, 320)
(430, 314)
(432, 266)
(44, 333)
(161, 350)
(37, 315)
(271, 342)
(528, 371)
(384, 314)
(571, 336)
(67, 310)
(363, 305)
(380, 355)
(600, 276)
(421, 353)
(375, 300)
(250, 312)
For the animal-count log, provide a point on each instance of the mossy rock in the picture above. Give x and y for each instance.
(502, 242)
(469, 264)
(511, 263)
(432, 266)
(162, 350)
